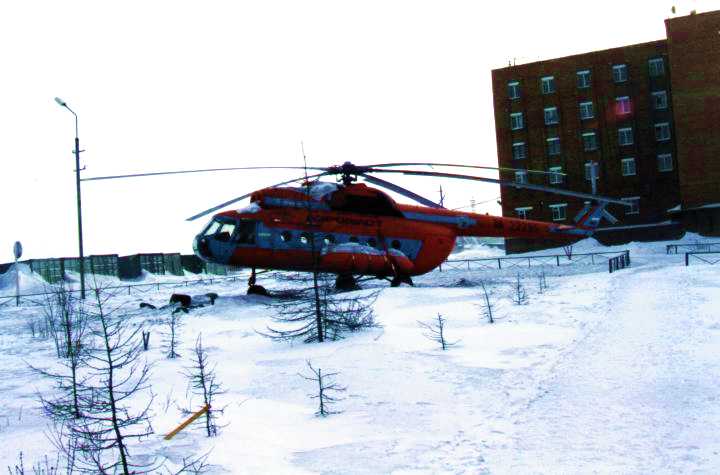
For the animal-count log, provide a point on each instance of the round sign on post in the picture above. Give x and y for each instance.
(17, 250)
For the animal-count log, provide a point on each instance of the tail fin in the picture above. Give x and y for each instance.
(588, 219)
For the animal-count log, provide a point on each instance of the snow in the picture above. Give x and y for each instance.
(30, 282)
(319, 189)
(601, 373)
(249, 209)
(352, 248)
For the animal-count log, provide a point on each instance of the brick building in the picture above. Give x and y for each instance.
(648, 116)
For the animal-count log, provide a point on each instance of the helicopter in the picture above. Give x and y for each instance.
(351, 230)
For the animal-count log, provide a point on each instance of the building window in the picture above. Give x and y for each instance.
(623, 105)
(620, 73)
(553, 146)
(548, 84)
(665, 163)
(518, 150)
(588, 170)
(516, 120)
(521, 176)
(523, 211)
(583, 79)
(634, 207)
(551, 116)
(556, 176)
(656, 67)
(586, 111)
(559, 211)
(628, 166)
(662, 131)
(660, 100)
(625, 136)
(589, 141)
(513, 90)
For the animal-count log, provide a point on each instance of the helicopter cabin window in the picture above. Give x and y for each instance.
(246, 232)
(286, 236)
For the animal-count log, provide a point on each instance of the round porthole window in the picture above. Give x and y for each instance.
(286, 236)
(329, 239)
(304, 239)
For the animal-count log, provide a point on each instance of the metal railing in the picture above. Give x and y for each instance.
(698, 247)
(704, 258)
(136, 288)
(590, 258)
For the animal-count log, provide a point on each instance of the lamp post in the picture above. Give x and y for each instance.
(79, 207)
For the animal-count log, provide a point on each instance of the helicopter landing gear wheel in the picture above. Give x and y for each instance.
(258, 290)
(346, 282)
(254, 289)
(399, 279)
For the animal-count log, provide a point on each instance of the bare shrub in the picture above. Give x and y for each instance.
(117, 376)
(171, 336)
(327, 390)
(519, 294)
(435, 331)
(321, 313)
(487, 306)
(203, 382)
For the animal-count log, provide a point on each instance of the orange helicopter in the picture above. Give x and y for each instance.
(350, 229)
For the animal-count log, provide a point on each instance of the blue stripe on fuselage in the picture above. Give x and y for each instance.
(460, 221)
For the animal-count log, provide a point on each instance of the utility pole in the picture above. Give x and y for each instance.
(79, 201)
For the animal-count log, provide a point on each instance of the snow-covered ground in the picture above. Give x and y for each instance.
(606, 373)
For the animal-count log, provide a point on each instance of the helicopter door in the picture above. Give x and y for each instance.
(219, 238)
(246, 233)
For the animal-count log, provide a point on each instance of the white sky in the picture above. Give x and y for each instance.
(164, 85)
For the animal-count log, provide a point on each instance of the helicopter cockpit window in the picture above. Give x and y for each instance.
(225, 231)
(212, 228)
(246, 232)
(220, 229)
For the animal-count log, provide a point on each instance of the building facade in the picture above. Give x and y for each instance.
(642, 116)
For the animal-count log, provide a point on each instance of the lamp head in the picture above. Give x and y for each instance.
(60, 102)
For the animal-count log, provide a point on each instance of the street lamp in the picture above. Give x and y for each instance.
(77, 187)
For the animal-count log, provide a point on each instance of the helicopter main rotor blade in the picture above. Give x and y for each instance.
(204, 170)
(235, 200)
(512, 184)
(431, 164)
(400, 190)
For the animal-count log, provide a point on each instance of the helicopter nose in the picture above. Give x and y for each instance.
(200, 247)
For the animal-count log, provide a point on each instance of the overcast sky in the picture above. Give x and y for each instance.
(164, 85)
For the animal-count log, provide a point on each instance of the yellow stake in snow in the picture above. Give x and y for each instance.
(187, 422)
